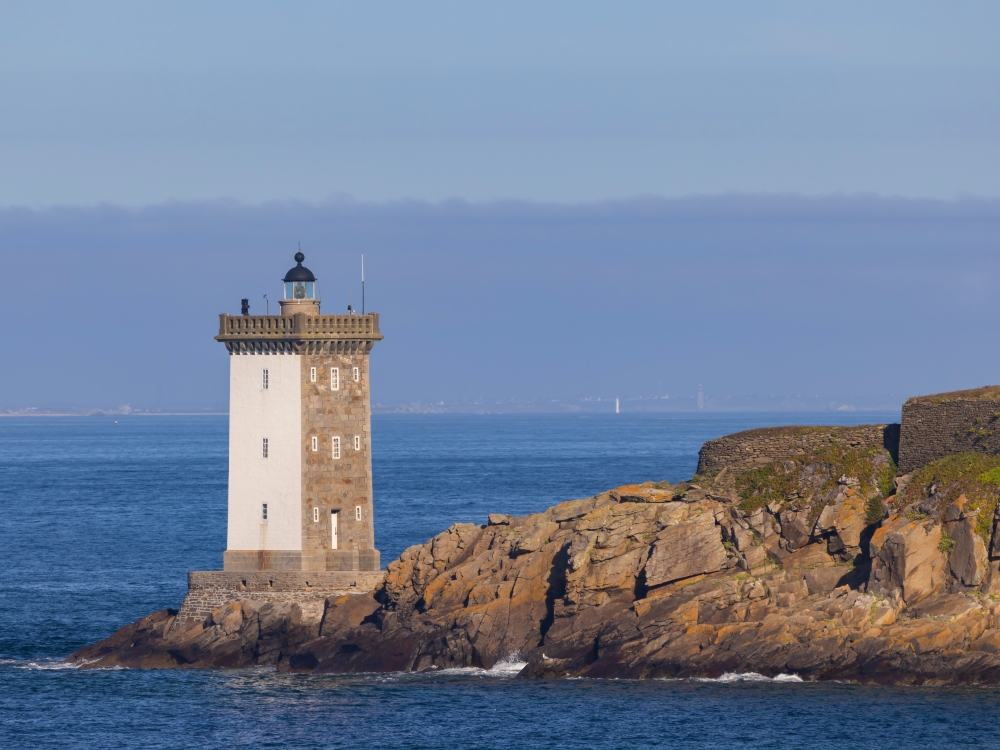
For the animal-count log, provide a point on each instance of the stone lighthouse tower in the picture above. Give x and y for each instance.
(300, 462)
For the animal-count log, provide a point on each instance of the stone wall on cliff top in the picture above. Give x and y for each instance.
(745, 450)
(944, 424)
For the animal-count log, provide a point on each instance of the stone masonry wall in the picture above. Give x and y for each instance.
(745, 450)
(209, 590)
(933, 429)
(344, 483)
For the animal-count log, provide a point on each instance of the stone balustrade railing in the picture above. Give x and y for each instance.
(297, 334)
(298, 326)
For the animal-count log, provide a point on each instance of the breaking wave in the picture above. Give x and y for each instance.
(44, 664)
(508, 666)
(748, 677)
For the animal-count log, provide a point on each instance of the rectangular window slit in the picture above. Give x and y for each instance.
(312, 374)
(264, 380)
(315, 443)
(357, 374)
(357, 513)
(263, 512)
(357, 442)
(334, 379)
(264, 451)
(336, 447)
(316, 515)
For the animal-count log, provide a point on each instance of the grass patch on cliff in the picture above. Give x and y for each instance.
(941, 483)
(873, 512)
(764, 485)
(812, 477)
(947, 544)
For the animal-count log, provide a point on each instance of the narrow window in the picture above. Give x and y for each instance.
(315, 443)
(265, 448)
(336, 447)
(263, 380)
(357, 374)
(334, 379)
(312, 374)
(357, 442)
(263, 513)
(357, 512)
(315, 515)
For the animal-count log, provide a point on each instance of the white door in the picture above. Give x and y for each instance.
(334, 516)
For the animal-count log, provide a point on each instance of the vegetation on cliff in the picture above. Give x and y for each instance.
(647, 580)
(984, 393)
(814, 565)
(968, 482)
(811, 479)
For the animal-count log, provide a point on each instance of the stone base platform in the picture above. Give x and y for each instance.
(211, 589)
(297, 560)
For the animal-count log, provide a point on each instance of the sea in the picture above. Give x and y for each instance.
(101, 518)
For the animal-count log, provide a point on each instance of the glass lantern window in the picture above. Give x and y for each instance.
(300, 290)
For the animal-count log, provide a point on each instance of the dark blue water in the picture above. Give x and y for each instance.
(99, 522)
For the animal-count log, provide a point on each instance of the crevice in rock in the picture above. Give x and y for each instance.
(556, 590)
(594, 654)
(641, 589)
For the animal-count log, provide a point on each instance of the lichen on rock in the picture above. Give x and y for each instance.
(813, 565)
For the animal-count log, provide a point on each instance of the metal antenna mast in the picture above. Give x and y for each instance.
(362, 283)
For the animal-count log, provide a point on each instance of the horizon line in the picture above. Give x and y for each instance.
(349, 200)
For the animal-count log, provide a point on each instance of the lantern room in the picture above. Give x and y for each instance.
(300, 290)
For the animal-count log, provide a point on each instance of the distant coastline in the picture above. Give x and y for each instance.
(890, 403)
(631, 406)
(417, 410)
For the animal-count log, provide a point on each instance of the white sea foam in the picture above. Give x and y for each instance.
(44, 664)
(749, 677)
(54, 664)
(508, 666)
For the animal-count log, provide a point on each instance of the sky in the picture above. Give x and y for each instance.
(136, 102)
(785, 203)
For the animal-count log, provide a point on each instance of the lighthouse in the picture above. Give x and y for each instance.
(300, 461)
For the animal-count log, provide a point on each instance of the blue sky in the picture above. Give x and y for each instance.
(556, 200)
(137, 102)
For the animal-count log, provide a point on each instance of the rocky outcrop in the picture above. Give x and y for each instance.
(823, 563)
(238, 634)
(968, 560)
(646, 581)
(842, 522)
(908, 557)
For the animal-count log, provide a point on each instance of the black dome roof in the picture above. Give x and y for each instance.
(300, 272)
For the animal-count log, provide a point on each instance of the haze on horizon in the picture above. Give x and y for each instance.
(556, 202)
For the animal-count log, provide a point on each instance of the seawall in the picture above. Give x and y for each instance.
(750, 448)
(211, 589)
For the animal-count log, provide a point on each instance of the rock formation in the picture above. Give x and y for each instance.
(824, 565)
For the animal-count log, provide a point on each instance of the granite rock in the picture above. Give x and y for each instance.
(644, 581)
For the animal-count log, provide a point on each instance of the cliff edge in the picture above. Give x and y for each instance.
(825, 565)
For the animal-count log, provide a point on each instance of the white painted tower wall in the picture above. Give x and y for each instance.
(255, 414)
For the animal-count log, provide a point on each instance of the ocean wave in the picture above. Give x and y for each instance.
(749, 677)
(50, 664)
(507, 667)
